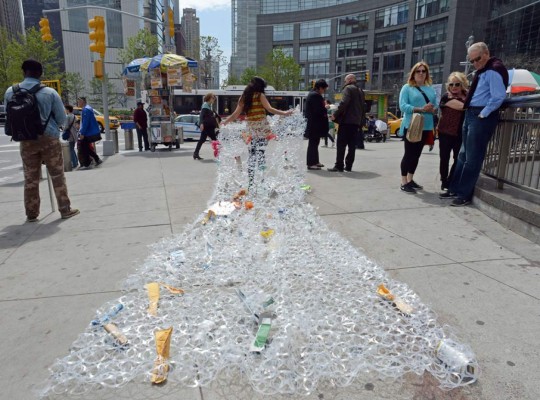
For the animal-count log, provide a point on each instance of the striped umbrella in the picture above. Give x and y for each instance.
(522, 80)
(164, 61)
(133, 69)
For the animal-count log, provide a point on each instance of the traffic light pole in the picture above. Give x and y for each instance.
(108, 145)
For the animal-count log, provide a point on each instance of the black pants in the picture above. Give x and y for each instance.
(360, 139)
(448, 144)
(88, 151)
(413, 151)
(143, 134)
(313, 150)
(328, 136)
(211, 133)
(347, 137)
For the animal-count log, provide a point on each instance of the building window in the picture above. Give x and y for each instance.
(318, 69)
(394, 62)
(78, 19)
(434, 55)
(389, 80)
(353, 24)
(351, 66)
(279, 6)
(287, 50)
(428, 8)
(352, 48)
(391, 16)
(315, 29)
(283, 32)
(436, 74)
(390, 41)
(315, 52)
(433, 32)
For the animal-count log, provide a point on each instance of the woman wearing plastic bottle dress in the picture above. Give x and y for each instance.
(416, 96)
(253, 104)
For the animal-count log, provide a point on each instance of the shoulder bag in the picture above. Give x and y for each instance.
(414, 133)
(67, 132)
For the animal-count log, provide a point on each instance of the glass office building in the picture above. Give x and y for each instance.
(333, 37)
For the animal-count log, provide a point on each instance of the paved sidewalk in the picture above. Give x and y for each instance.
(478, 277)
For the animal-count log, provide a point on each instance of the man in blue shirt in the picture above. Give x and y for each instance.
(46, 149)
(89, 133)
(485, 96)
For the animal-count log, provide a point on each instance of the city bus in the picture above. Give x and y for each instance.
(227, 99)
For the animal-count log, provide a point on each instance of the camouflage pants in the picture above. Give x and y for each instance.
(47, 150)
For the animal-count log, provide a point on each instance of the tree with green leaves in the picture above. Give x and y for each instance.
(73, 86)
(143, 44)
(95, 97)
(211, 54)
(280, 70)
(14, 51)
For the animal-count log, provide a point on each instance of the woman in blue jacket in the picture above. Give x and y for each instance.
(416, 96)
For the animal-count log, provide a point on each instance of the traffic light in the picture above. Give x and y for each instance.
(171, 23)
(45, 30)
(367, 76)
(312, 83)
(97, 35)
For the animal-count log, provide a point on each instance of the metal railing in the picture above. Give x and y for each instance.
(513, 154)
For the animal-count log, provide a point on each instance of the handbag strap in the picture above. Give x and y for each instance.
(423, 94)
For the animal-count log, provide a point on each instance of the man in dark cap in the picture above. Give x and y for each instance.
(317, 123)
(141, 124)
(46, 149)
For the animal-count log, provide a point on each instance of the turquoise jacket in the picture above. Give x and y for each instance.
(409, 98)
(48, 101)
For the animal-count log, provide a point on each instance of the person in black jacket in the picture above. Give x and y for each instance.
(350, 117)
(208, 121)
(317, 123)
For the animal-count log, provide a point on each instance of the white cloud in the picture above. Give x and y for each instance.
(205, 5)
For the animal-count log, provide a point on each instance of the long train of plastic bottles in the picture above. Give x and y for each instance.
(329, 323)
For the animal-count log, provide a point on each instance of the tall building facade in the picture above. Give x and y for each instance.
(191, 30)
(330, 38)
(11, 17)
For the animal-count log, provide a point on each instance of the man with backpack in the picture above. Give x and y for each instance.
(34, 114)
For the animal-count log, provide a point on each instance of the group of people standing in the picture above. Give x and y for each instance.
(468, 118)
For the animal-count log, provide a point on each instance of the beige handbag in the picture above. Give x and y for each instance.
(414, 133)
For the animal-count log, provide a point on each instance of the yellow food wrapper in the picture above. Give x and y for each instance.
(153, 297)
(208, 217)
(396, 301)
(267, 234)
(163, 348)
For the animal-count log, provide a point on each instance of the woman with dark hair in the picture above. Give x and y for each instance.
(416, 96)
(208, 121)
(254, 104)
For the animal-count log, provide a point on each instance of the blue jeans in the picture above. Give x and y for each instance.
(475, 137)
(74, 159)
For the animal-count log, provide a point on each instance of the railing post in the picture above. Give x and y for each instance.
(504, 146)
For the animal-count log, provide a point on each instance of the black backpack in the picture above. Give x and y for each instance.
(23, 119)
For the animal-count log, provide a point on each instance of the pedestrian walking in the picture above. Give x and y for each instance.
(71, 130)
(331, 125)
(141, 126)
(350, 116)
(45, 146)
(450, 123)
(487, 92)
(317, 123)
(416, 96)
(208, 122)
(90, 132)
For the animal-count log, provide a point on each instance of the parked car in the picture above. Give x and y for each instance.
(394, 124)
(187, 121)
(113, 121)
(2, 114)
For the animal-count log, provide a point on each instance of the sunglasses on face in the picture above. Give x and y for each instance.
(457, 84)
(473, 60)
(420, 71)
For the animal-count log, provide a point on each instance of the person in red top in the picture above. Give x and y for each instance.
(141, 123)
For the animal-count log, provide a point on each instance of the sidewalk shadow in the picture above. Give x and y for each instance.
(350, 175)
(161, 153)
(12, 236)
